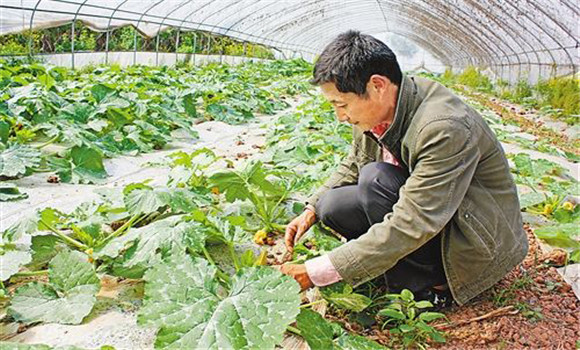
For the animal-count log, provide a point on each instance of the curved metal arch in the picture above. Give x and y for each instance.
(471, 32)
(72, 37)
(143, 14)
(422, 42)
(433, 50)
(220, 10)
(513, 37)
(109, 30)
(557, 41)
(470, 35)
(248, 35)
(399, 18)
(286, 10)
(302, 29)
(297, 19)
(159, 30)
(30, 27)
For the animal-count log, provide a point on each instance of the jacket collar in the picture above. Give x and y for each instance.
(406, 107)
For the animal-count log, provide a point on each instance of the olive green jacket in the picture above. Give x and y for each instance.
(460, 185)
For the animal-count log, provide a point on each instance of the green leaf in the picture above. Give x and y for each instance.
(44, 248)
(423, 304)
(406, 328)
(407, 295)
(397, 315)
(560, 235)
(317, 332)
(342, 296)
(147, 200)
(531, 199)
(240, 184)
(27, 224)
(351, 342)
(430, 316)
(4, 131)
(189, 105)
(101, 91)
(67, 299)
(13, 255)
(85, 165)
(232, 184)
(9, 192)
(17, 159)
(167, 233)
(46, 80)
(182, 299)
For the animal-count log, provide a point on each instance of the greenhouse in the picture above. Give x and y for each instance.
(325, 174)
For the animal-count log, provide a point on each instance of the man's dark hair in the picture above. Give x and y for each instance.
(351, 59)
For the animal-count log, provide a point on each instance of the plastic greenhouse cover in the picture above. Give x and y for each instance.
(499, 34)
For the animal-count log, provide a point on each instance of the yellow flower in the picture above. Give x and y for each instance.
(215, 190)
(568, 206)
(260, 237)
(548, 209)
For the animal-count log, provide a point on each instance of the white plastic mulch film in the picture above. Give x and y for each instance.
(537, 37)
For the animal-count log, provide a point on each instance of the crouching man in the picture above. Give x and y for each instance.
(425, 197)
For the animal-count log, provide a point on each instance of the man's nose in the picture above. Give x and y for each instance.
(342, 117)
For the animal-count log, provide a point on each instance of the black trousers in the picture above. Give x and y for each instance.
(352, 210)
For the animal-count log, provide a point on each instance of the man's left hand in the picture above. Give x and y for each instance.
(298, 272)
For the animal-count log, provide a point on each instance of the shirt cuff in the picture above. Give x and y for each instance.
(321, 271)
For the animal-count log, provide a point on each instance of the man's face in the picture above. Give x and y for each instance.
(364, 111)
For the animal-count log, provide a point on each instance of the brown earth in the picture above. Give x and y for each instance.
(530, 308)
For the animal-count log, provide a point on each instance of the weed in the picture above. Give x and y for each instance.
(407, 320)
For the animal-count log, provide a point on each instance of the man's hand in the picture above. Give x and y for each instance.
(297, 227)
(298, 272)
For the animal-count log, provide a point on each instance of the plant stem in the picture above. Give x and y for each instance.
(234, 256)
(47, 143)
(312, 303)
(293, 330)
(207, 256)
(64, 237)
(30, 273)
(121, 229)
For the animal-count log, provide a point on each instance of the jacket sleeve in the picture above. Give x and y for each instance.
(345, 174)
(444, 161)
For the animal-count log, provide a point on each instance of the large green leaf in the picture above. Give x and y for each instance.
(17, 159)
(239, 184)
(151, 239)
(13, 255)
(84, 165)
(67, 299)
(319, 334)
(560, 235)
(9, 192)
(184, 299)
(147, 200)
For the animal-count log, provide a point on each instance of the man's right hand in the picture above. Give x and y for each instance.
(298, 227)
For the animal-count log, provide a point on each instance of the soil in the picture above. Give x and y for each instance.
(530, 308)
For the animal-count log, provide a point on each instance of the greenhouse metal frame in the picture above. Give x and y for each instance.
(499, 35)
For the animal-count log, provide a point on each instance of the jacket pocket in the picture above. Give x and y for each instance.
(476, 229)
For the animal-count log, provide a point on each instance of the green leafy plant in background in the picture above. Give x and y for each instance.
(253, 184)
(407, 320)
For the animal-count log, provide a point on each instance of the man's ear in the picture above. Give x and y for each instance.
(379, 83)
